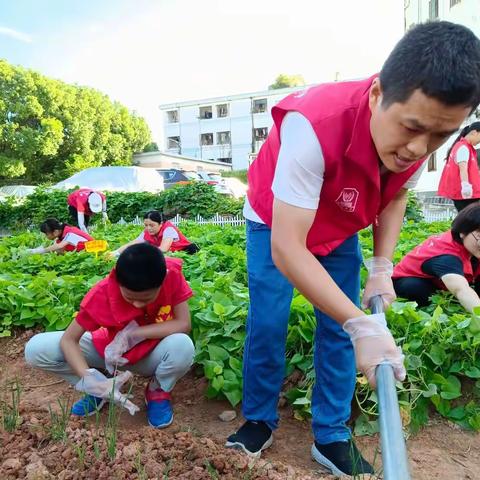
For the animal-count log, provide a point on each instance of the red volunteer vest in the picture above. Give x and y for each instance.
(353, 193)
(450, 185)
(156, 240)
(112, 313)
(79, 200)
(80, 245)
(443, 244)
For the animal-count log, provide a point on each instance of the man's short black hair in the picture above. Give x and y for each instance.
(467, 221)
(442, 59)
(141, 267)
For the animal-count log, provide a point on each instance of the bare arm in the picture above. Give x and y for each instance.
(166, 244)
(71, 348)
(458, 285)
(290, 227)
(179, 324)
(386, 232)
(124, 247)
(55, 247)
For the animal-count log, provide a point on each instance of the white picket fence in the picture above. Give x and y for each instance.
(215, 220)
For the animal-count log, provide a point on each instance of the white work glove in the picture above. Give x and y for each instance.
(373, 344)
(379, 281)
(97, 384)
(36, 250)
(123, 342)
(104, 217)
(467, 190)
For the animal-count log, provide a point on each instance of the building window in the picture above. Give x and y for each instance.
(260, 134)
(206, 112)
(225, 160)
(172, 116)
(454, 2)
(259, 105)
(432, 163)
(433, 9)
(223, 138)
(206, 139)
(222, 110)
(173, 142)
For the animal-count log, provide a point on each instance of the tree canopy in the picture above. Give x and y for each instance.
(284, 81)
(50, 129)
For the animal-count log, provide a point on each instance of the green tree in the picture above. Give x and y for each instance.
(50, 129)
(284, 81)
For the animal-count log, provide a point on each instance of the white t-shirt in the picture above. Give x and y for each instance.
(462, 154)
(298, 178)
(73, 239)
(169, 232)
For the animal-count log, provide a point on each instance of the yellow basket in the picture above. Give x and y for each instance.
(96, 246)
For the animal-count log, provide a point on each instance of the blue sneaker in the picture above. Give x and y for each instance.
(87, 406)
(159, 407)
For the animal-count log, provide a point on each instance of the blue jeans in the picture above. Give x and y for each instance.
(267, 323)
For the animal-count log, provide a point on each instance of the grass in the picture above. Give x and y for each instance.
(10, 405)
(211, 470)
(140, 467)
(59, 421)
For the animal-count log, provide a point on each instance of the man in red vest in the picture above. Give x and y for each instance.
(340, 157)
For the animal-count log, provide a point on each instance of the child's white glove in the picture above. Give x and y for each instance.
(97, 384)
(33, 251)
(373, 344)
(123, 342)
(379, 281)
(467, 190)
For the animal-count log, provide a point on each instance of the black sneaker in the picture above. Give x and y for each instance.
(341, 458)
(252, 437)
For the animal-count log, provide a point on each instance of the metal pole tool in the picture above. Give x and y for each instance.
(394, 450)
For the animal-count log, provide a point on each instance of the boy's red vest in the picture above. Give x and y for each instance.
(156, 240)
(352, 193)
(443, 244)
(450, 185)
(79, 200)
(80, 245)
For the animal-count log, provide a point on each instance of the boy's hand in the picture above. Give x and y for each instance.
(373, 344)
(379, 281)
(124, 340)
(97, 384)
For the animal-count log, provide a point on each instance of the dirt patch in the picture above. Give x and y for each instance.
(192, 448)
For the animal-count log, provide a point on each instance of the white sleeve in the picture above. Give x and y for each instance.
(73, 239)
(141, 237)
(81, 221)
(462, 154)
(413, 180)
(300, 167)
(170, 232)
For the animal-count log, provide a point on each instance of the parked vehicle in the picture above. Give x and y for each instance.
(216, 180)
(173, 176)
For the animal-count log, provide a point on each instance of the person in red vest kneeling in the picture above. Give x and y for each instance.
(137, 320)
(460, 180)
(162, 234)
(449, 261)
(67, 238)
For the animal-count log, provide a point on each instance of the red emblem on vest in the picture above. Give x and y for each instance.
(347, 200)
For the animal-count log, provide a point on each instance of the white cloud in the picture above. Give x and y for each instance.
(15, 34)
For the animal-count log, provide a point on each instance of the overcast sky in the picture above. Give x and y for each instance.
(147, 52)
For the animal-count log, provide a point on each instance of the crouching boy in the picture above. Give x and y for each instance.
(136, 319)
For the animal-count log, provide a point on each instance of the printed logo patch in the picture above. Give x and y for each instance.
(347, 200)
(164, 314)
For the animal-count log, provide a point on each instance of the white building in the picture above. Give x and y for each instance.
(465, 12)
(227, 129)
